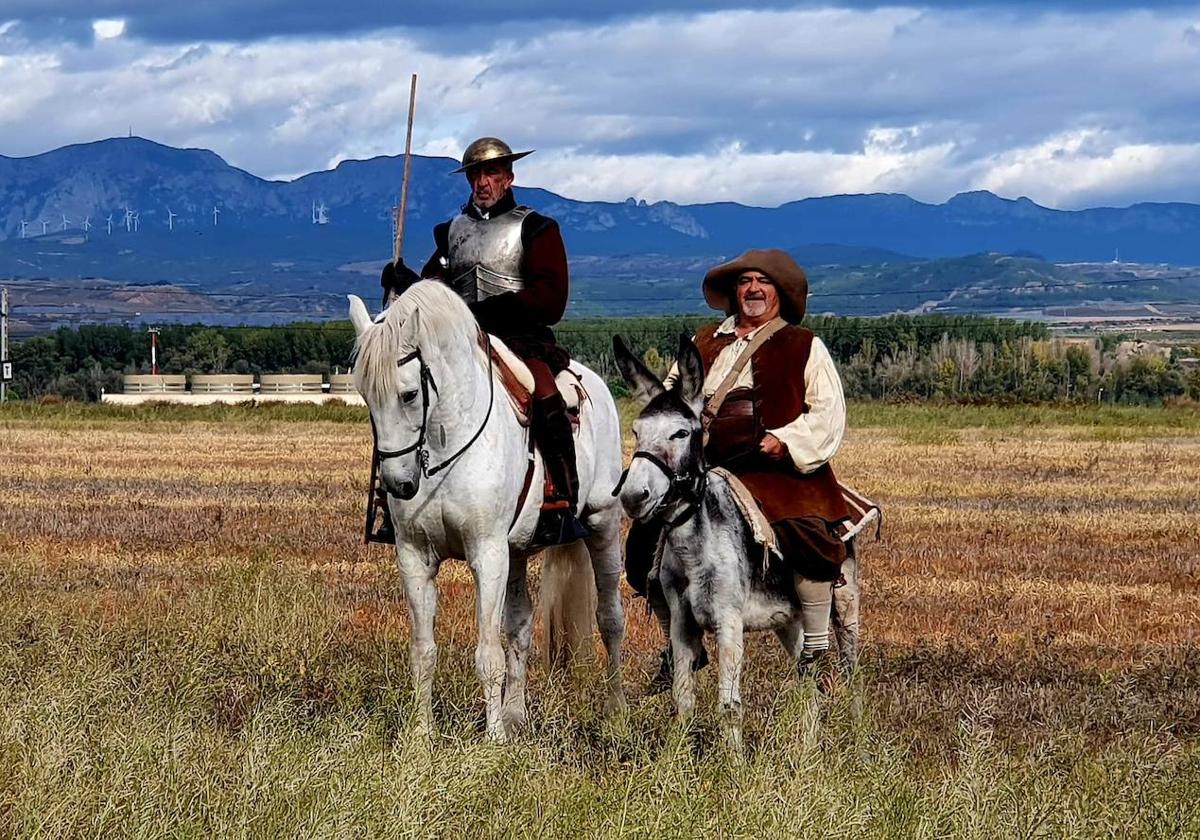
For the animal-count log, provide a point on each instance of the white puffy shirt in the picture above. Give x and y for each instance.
(812, 438)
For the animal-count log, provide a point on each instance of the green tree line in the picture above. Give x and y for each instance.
(895, 357)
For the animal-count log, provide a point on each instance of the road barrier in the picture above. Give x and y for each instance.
(146, 383)
(207, 388)
(221, 383)
(342, 383)
(290, 383)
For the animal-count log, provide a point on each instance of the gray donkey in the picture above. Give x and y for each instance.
(710, 567)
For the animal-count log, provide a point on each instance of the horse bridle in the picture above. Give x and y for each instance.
(688, 489)
(427, 382)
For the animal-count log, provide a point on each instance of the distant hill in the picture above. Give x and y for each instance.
(267, 235)
(828, 253)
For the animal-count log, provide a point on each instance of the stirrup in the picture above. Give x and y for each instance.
(379, 524)
(383, 533)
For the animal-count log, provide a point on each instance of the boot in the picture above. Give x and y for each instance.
(558, 523)
(819, 665)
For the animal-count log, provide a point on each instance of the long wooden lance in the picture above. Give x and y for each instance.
(374, 508)
(401, 211)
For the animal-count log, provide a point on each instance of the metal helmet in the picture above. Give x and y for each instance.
(488, 150)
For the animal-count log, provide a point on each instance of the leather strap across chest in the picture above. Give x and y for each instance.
(713, 404)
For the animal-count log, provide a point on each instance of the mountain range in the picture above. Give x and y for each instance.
(330, 231)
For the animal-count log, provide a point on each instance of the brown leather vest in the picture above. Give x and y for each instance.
(776, 399)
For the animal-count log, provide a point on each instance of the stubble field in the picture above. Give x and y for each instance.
(195, 642)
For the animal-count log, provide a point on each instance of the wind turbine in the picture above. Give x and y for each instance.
(137, 217)
(322, 211)
(314, 212)
(24, 225)
(87, 223)
(110, 224)
(128, 219)
(171, 219)
(65, 221)
(215, 212)
(45, 226)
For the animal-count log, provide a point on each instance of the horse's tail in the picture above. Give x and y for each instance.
(568, 596)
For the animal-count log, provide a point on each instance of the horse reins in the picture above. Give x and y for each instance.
(686, 489)
(427, 382)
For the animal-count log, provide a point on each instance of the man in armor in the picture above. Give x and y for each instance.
(509, 264)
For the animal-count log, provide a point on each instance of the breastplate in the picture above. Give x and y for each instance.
(485, 254)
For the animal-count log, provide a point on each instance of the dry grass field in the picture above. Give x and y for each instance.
(195, 642)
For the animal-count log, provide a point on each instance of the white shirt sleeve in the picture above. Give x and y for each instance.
(814, 438)
(672, 376)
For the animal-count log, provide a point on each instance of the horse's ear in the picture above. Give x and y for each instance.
(691, 374)
(359, 317)
(411, 329)
(646, 386)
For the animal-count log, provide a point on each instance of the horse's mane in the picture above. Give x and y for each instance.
(444, 321)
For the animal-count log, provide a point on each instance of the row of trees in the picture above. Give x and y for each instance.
(897, 357)
(76, 363)
(1021, 370)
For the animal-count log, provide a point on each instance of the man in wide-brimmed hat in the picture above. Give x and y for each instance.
(509, 264)
(781, 419)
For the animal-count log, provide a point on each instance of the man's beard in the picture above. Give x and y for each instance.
(754, 307)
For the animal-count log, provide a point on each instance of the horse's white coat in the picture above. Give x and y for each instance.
(466, 509)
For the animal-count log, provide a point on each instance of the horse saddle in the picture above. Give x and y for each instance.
(518, 383)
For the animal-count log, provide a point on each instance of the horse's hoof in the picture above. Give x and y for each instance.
(733, 745)
(515, 718)
(422, 731)
(615, 705)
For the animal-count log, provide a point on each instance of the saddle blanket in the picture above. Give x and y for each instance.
(518, 383)
(862, 513)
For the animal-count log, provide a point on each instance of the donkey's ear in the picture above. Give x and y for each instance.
(691, 374)
(646, 386)
(359, 317)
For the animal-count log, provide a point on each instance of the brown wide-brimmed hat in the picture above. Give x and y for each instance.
(789, 278)
(488, 150)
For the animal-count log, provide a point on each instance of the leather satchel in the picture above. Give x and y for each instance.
(736, 430)
(713, 407)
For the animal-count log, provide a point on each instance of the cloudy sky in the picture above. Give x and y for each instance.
(1073, 104)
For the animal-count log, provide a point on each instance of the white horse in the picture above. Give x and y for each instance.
(710, 567)
(454, 458)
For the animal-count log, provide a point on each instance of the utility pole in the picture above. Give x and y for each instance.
(5, 364)
(153, 350)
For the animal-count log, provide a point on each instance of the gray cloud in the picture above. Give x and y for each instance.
(754, 106)
(245, 20)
